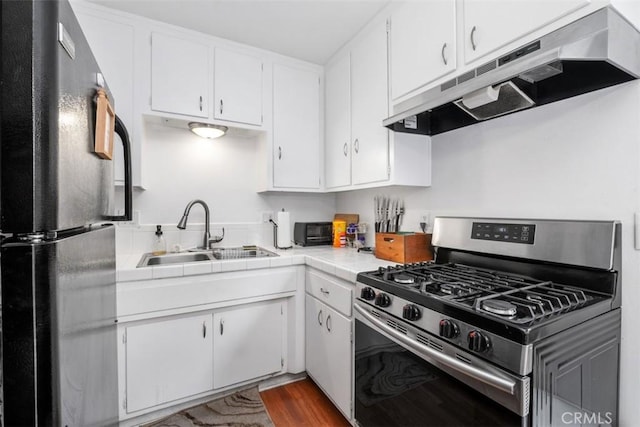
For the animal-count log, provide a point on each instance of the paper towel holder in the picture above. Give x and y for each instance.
(275, 235)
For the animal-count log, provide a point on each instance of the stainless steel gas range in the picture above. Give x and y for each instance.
(515, 322)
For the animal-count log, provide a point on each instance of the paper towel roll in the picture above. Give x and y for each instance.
(284, 230)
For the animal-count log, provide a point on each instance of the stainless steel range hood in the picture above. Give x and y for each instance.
(595, 52)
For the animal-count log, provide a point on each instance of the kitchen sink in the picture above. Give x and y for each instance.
(149, 259)
(242, 252)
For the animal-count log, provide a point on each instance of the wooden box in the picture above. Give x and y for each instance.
(404, 248)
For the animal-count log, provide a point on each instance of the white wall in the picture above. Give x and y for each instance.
(180, 166)
(577, 159)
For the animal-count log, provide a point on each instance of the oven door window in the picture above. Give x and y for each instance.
(394, 387)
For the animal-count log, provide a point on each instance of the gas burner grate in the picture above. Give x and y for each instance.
(527, 299)
(534, 302)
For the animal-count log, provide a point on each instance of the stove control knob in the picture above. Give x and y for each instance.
(448, 329)
(382, 300)
(367, 294)
(478, 341)
(411, 312)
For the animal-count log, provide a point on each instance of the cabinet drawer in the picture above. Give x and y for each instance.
(330, 291)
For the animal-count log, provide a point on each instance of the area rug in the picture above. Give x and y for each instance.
(241, 409)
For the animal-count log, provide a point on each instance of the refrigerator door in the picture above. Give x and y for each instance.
(51, 177)
(59, 331)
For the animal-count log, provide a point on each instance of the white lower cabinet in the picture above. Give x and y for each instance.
(247, 342)
(328, 343)
(168, 360)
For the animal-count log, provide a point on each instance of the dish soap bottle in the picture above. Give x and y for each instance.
(159, 244)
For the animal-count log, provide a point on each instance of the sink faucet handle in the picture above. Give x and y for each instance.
(216, 239)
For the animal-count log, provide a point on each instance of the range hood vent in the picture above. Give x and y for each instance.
(592, 53)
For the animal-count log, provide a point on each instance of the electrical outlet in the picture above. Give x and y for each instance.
(424, 221)
(267, 216)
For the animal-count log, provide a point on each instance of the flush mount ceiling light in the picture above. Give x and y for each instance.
(205, 130)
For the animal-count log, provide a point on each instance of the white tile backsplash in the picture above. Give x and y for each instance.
(138, 239)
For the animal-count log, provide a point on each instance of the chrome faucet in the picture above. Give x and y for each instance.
(183, 221)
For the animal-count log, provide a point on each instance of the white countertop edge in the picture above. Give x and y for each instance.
(345, 263)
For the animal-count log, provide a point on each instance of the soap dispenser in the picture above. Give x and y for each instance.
(159, 244)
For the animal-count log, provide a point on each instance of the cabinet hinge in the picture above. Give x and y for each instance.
(124, 337)
(351, 335)
(281, 310)
(388, 171)
(388, 26)
(124, 402)
(282, 362)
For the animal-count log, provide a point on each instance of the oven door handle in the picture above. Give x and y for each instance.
(506, 385)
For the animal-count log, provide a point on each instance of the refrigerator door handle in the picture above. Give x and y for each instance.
(121, 130)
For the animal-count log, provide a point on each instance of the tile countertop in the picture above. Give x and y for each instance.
(345, 263)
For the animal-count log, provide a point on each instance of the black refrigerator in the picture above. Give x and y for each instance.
(57, 256)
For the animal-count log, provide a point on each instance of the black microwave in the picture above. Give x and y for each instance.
(312, 233)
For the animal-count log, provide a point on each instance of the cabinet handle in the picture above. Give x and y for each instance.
(221, 106)
(356, 145)
(389, 239)
(221, 326)
(473, 42)
(201, 103)
(204, 329)
(444, 59)
(324, 291)
(279, 153)
(329, 323)
(345, 149)
(320, 317)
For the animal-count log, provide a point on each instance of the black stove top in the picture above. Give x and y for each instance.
(516, 306)
(512, 298)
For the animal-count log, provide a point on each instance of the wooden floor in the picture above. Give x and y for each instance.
(301, 403)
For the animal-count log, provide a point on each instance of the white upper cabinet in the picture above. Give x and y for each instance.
(490, 24)
(115, 56)
(422, 44)
(179, 76)
(359, 151)
(357, 145)
(338, 119)
(369, 107)
(296, 128)
(237, 87)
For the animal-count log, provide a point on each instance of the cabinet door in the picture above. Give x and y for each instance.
(369, 106)
(115, 58)
(247, 343)
(422, 39)
(179, 76)
(489, 24)
(328, 352)
(237, 87)
(296, 127)
(338, 123)
(168, 360)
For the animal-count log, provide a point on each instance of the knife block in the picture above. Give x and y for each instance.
(404, 248)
